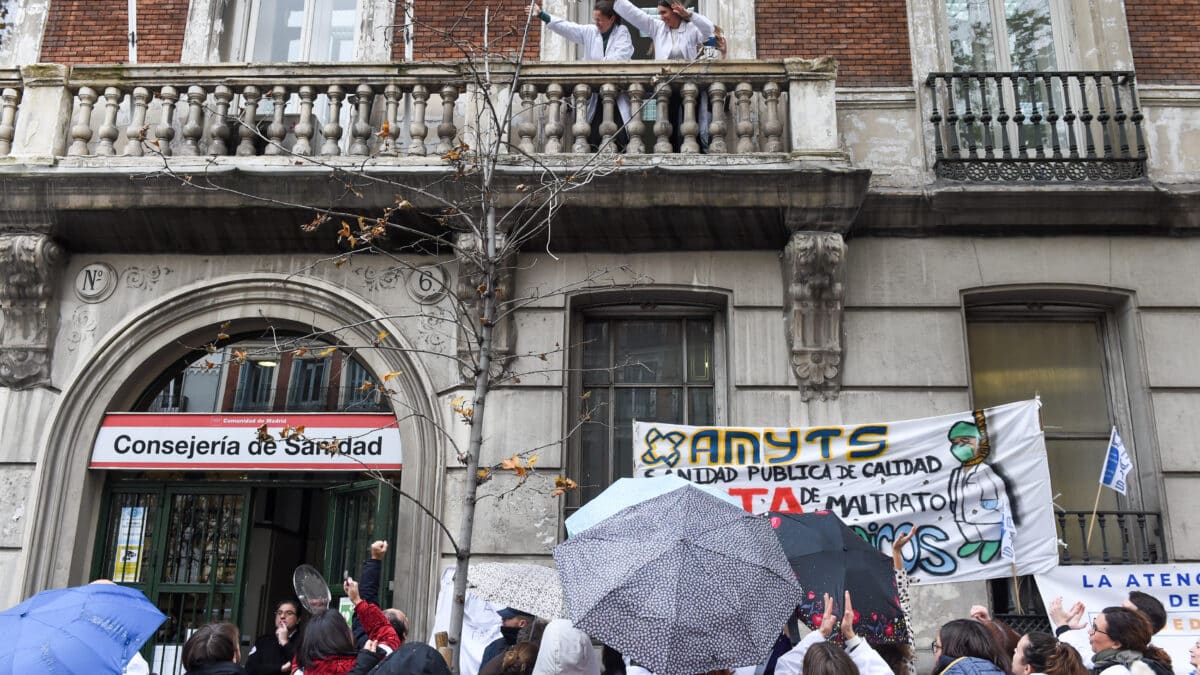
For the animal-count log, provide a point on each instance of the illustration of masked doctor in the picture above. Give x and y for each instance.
(977, 496)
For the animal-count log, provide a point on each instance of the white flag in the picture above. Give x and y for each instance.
(1116, 464)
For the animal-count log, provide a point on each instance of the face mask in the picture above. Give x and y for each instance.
(962, 453)
(509, 633)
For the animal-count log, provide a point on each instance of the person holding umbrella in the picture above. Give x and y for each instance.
(815, 656)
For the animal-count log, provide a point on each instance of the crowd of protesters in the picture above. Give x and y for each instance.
(1118, 641)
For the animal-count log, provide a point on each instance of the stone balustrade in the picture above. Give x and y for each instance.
(417, 110)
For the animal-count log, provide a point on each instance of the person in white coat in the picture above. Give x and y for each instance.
(677, 35)
(815, 656)
(605, 39)
(566, 650)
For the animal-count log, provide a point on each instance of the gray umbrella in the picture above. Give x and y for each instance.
(681, 583)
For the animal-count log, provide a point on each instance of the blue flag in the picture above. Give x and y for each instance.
(1116, 464)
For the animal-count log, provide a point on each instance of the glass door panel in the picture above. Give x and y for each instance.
(359, 514)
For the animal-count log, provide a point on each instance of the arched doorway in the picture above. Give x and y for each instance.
(80, 509)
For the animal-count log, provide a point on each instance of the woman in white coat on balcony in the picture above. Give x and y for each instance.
(605, 39)
(677, 35)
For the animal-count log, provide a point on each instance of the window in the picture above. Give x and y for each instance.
(661, 368)
(354, 397)
(1003, 35)
(306, 389)
(276, 31)
(1064, 361)
(255, 386)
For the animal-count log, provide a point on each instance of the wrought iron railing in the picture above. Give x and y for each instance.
(1036, 126)
(1119, 537)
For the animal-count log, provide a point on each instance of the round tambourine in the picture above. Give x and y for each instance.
(311, 589)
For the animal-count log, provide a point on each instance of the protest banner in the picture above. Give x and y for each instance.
(975, 486)
(1100, 586)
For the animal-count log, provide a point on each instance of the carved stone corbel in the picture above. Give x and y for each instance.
(815, 271)
(470, 251)
(29, 267)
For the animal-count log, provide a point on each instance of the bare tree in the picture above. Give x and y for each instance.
(484, 223)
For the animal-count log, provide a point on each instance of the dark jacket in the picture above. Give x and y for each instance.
(224, 668)
(967, 665)
(267, 657)
(496, 648)
(413, 658)
(368, 590)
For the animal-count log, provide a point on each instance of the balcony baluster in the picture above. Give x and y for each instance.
(773, 126)
(554, 127)
(527, 128)
(689, 128)
(417, 129)
(608, 125)
(332, 131)
(108, 132)
(219, 143)
(636, 126)
(306, 124)
(446, 129)
(392, 95)
(248, 130)
(81, 132)
(135, 135)
(662, 125)
(8, 119)
(276, 131)
(581, 129)
(360, 126)
(716, 128)
(164, 131)
(193, 128)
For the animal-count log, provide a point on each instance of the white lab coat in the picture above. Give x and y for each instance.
(620, 48)
(688, 38)
(869, 661)
(979, 501)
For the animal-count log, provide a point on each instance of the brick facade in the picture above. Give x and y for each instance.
(869, 38)
(93, 31)
(1166, 40)
(86, 31)
(438, 25)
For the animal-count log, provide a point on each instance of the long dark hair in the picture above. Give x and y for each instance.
(968, 637)
(1046, 654)
(605, 7)
(211, 643)
(326, 634)
(1132, 630)
(896, 655)
(824, 658)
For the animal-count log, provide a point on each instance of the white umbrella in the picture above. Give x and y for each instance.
(535, 589)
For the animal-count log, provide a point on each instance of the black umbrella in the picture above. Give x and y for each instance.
(829, 557)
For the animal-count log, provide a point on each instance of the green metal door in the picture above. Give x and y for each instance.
(359, 514)
(184, 547)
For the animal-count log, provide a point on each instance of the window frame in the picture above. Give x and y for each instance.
(241, 34)
(1062, 28)
(711, 306)
(1112, 368)
(293, 404)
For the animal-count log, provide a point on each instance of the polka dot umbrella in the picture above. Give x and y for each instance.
(681, 583)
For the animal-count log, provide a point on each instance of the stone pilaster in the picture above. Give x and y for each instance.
(29, 266)
(814, 275)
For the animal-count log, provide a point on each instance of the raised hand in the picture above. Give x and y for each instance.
(898, 548)
(828, 623)
(848, 619)
(680, 11)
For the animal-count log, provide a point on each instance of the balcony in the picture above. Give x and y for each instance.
(1036, 126)
(757, 154)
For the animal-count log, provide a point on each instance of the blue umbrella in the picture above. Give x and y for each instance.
(626, 492)
(93, 629)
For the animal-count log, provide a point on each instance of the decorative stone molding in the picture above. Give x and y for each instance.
(469, 249)
(815, 271)
(29, 265)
